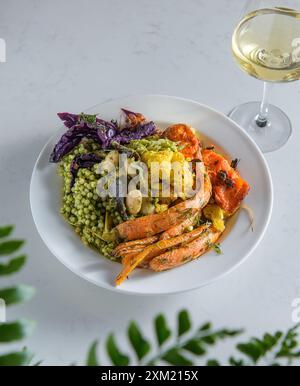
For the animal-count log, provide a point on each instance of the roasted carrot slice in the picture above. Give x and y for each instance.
(186, 253)
(156, 249)
(177, 230)
(154, 224)
(184, 135)
(123, 247)
(126, 258)
(229, 189)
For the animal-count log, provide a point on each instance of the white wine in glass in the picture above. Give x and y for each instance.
(266, 44)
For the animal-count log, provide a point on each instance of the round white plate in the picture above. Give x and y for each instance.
(237, 244)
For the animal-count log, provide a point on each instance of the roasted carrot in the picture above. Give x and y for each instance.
(148, 226)
(126, 258)
(156, 249)
(185, 253)
(177, 230)
(135, 243)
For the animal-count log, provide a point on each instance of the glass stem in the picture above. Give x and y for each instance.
(262, 118)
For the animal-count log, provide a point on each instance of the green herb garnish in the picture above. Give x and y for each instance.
(217, 249)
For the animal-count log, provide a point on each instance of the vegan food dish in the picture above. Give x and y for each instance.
(144, 196)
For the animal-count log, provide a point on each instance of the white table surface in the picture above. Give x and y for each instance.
(69, 55)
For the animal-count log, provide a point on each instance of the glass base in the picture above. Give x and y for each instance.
(273, 135)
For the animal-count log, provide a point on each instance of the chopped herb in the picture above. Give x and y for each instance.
(163, 261)
(217, 249)
(88, 118)
(203, 221)
(187, 259)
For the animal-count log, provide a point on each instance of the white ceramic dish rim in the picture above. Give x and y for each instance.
(207, 282)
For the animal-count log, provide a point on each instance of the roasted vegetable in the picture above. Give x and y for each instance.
(159, 248)
(228, 186)
(147, 206)
(154, 224)
(134, 202)
(109, 234)
(216, 215)
(186, 252)
(132, 119)
(120, 194)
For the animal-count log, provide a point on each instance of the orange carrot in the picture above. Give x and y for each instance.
(141, 242)
(185, 253)
(154, 224)
(156, 249)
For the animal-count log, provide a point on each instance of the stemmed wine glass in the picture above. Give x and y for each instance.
(266, 44)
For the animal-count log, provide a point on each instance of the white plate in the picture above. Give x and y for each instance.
(45, 198)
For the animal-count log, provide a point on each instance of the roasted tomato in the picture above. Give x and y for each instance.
(229, 188)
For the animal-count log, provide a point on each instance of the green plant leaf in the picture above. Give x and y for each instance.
(138, 342)
(195, 347)
(174, 357)
(289, 344)
(17, 294)
(92, 359)
(117, 358)
(184, 323)
(163, 332)
(6, 230)
(13, 331)
(13, 265)
(225, 333)
(236, 362)
(9, 247)
(251, 350)
(210, 339)
(213, 363)
(256, 348)
(21, 358)
(205, 327)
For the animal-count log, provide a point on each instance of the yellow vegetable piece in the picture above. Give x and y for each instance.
(178, 157)
(216, 215)
(160, 161)
(160, 208)
(108, 234)
(157, 156)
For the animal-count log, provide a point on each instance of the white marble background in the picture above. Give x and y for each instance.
(69, 55)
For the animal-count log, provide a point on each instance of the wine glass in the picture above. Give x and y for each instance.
(266, 44)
